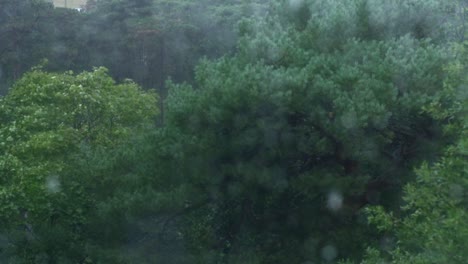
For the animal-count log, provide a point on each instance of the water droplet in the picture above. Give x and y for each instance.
(387, 243)
(53, 184)
(456, 191)
(349, 120)
(295, 4)
(334, 201)
(329, 252)
(311, 246)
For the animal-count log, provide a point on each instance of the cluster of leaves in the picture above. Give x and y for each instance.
(432, 227)
(47, 119)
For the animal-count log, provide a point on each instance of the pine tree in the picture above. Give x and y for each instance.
(310, 122)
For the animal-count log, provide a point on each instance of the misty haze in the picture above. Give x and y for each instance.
(233, 131)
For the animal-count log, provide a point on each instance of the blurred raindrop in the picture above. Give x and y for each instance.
(334, 201)
(310, 246)
(462, 92)
(387, 243)
(349, 119)
(456, 191)
(3, 241)
(329, 252)
(295, 4)
(53, 184)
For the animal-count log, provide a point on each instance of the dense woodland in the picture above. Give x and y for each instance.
(234, 131)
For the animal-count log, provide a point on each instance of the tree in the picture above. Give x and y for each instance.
(48, 119)
(24, 37)
(287, 141)
(432, 226)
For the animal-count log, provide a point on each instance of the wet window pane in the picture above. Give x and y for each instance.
(240, 131)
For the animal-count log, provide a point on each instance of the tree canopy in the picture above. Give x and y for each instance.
(47, 120)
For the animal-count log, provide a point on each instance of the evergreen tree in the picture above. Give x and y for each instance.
(24, 37)
(288, 140)
(432, 226)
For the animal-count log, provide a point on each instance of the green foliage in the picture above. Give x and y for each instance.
(265, 156)
(24, 37)
(47, 119)
(147, 41)
(432, 225)
(294, 125)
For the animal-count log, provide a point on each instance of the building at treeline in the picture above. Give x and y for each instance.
(69, 3)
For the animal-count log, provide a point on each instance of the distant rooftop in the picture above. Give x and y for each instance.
(69, 3)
